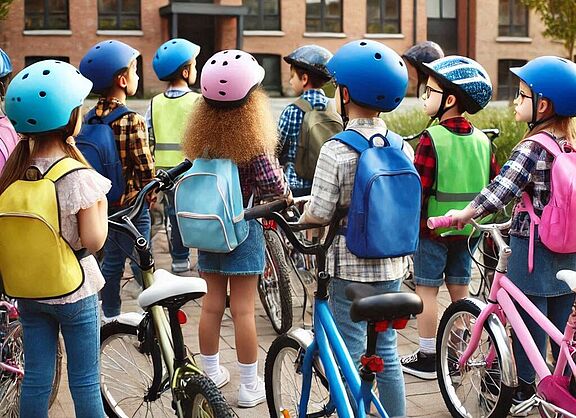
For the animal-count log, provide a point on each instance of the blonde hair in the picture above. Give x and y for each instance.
(239, 134)
(564, 125)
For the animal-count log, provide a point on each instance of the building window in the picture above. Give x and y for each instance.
(271, 63)
(507, 81)
(262, 15)
(119, 15)
(383, 16)
(513, 18)
(324, 16)
(46, 15)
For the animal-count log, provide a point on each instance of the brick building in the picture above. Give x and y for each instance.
(497, 33)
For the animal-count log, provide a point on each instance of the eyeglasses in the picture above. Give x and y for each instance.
(521, 95)
(428, 91)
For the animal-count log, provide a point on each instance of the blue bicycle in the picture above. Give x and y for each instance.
(311, 373)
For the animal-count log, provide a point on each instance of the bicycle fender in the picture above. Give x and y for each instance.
(305, 337)
(130, 318)
(509, 376)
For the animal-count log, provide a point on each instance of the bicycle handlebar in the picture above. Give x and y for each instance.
(439, 222)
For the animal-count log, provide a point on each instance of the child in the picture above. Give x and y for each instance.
(452, 158)
(417, 55)
(359, 96)
(111, 66)
(233, 121)
(547, 104)
(8, 136)
(167, 118)
(51, 94)
(307, 75)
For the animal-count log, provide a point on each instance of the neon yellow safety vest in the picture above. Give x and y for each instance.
(169, 123)
(462, 171)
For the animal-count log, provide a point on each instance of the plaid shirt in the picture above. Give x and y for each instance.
(425, 163)
(527, 170)
(132, 143)
(262, 176)
(289, 130)
(332, 188)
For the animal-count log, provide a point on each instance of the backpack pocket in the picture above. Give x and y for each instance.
(206, 232)
(555, 229)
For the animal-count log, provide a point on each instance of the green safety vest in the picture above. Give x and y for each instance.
(462, 171)
(169, 122)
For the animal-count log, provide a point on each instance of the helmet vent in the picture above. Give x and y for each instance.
(401, 63)
(165, 48)
(377, 55)
(25, 76)
(173, 42)
(89, 61)
(397, 100)
(213, 62)
(42, 94)
(97, 47)
(45, 72)
(32, 121)
(225, 52)
(225, 63)
(222, 93)
(18, 99)
(223, 81)
(363, 43)
(237, 56)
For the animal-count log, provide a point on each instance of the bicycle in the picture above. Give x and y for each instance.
(12, 361)
(476, 369)
(301, 358)
(145, 369)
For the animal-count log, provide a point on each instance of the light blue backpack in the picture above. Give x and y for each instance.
(209, 206)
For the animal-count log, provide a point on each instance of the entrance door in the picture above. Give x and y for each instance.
(442, 24)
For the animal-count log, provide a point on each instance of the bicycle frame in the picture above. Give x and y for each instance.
(12, 312)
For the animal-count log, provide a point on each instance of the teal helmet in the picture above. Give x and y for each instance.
(41, 97)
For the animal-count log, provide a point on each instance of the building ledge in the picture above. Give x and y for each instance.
(120, 33)
(324, 35)
(49, 32)
(384, 36)
(269, 33)
(514, 39)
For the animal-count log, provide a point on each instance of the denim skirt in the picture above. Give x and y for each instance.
(247, 259)
(542, 281)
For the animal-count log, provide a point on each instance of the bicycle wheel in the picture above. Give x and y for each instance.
(274, 284)
(126, 373)
(477, 390)
(202, 399)
(283, 379)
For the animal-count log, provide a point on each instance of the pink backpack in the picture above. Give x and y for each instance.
(8, 140)
(556, 226)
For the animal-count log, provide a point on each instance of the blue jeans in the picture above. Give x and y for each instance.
(177, 250)
(391, 381)
(117, 246)
(80, 326)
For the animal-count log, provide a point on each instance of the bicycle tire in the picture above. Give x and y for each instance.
(478, 390)
(126, 374)
(274, 284)
(281, 369)
(202, 399)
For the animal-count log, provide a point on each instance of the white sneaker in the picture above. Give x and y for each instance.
(108, 319)
(180, 266)
(249, 398)
(222, 379)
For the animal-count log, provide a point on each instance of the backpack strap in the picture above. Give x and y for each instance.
(359, 143)
(303, 104)
(547, 142)
(116, 114)
(63, 167)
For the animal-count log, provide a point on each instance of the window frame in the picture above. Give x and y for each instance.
(510, 24)
(46, 14)
(382, 20)
(118, 14)
(511, 79)
(322, 18)
(260, 17)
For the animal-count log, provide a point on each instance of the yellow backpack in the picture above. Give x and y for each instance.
(36, 262)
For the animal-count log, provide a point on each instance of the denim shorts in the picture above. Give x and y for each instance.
(439, 261)
(246, 259)
(542, 281)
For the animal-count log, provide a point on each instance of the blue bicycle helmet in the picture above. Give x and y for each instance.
(5, 64)
(553, 78)
(172, 55)
(375, 75)
(104, 61)
(41, 97)
(312, 58)
(465, 77)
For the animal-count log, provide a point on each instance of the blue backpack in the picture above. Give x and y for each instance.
(97, 143)
(384, 213)
(209, 206)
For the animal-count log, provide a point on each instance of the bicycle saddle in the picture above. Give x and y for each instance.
(369, 305)
(171, 290)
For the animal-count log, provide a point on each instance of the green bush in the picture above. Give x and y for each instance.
(412, 121)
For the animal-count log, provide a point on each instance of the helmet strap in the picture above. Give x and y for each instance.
(442, 108)
(534, 122)
(343, 111)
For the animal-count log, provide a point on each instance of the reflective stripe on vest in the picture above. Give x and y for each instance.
(169, 122)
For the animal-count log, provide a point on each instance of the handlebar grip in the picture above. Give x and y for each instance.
(179, 169)
(439, 222)
(263, 211)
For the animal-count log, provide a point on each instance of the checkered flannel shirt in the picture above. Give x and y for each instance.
(261, 177)
(332, 188)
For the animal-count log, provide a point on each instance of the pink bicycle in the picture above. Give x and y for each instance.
(475, 366)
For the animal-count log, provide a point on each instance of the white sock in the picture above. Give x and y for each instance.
(428, 345)
(249, 374)
(211, 365)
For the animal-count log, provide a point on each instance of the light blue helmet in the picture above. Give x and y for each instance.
(106, 60)
(464, 77)
(5, 64)
(553, 78)
(41, 97)
(375, 75)
(172, 55)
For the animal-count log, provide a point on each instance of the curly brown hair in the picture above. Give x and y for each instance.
(239, 134)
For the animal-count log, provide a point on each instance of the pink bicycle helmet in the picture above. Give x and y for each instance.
(229, 76)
